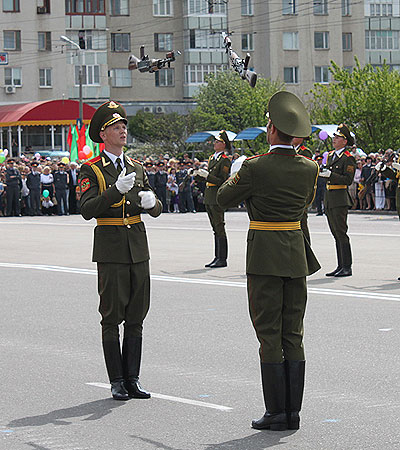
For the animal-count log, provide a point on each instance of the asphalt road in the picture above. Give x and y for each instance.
(200, 356)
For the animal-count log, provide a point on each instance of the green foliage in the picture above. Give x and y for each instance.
(367, 100)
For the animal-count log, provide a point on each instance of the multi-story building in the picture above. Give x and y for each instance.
(290, 40)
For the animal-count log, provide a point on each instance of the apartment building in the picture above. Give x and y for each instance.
(291, 40)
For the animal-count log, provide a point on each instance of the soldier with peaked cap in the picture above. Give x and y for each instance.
(115, 190)
(277, 187)
(218, 171)
(341, 167)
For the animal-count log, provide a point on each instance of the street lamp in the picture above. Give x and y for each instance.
(66, 39)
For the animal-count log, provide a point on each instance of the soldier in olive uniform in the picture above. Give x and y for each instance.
(115, 190)
(218, 171)
(392, 172)
(339, 173)
(301, 149)
(277, 187)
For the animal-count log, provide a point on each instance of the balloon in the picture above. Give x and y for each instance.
(90, 154)
(2, 158)
(5, 151)
(65, 160)
(37, 155)
(86, 150)
(323, 135)
(81, 155)
(46, 193)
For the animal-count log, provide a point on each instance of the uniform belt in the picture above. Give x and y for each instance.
(118, 220)
(336, 186)
(274, 226)
(210, 184)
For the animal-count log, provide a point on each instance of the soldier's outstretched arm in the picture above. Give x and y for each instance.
(236, 189)
(93, 204)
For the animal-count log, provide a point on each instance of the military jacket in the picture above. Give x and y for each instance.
(101, 199)
(395, 176)
(304, 151)
(277, 187)
(218, 172)
(342, 174)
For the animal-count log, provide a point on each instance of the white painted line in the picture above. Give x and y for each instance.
(209, 282)
(174, 399)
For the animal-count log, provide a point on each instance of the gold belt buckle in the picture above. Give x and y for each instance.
(126, 221)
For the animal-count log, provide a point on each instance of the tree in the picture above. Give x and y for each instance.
(367, 100)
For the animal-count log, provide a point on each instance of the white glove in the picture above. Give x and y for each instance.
(325, 173)
(237, 164)
(190, 172)
(202, 173)
(148, 199)
(124, 182)
(380, 166)
(396, 166)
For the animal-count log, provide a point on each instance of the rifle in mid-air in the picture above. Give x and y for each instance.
(239, 65)
(145, 64)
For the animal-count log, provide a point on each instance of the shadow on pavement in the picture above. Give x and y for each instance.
(156, 444)
(96, 410)
(258, 441)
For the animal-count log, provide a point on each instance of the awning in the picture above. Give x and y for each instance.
(52, 112)
(202, 136)
(250, 133)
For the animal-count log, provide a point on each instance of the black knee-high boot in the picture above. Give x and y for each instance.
(131, 357)
(112, 357)
(295, 372)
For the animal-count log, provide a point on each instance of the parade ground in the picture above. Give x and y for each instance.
(200, 355)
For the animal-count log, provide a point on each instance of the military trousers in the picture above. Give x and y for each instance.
(216, 218)
(337, 221)
(124, 291)
(277, 306)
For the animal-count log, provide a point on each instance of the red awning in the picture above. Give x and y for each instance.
(53, 112)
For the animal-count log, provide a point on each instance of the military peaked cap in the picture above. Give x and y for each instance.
(289, 115)
(223, 136)
(344, 132)
(105, 115)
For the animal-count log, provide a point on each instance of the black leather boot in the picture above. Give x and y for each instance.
(131, 356)
(112, 357)
(222, 253)
(274, 389)
(295, 371)
(339, 259)
(347, 261)
(215, 250)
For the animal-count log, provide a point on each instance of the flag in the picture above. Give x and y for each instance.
(82, 138)
(89, 142)
(69, 137)
(74, 144)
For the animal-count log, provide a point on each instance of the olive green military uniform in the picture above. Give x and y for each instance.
(304, 151)
(338, 201)
(277, 187)
(395, 176)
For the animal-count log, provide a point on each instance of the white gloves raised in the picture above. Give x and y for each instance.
(124, 182)
(148, 199)
(396, 166)
(325, 173)
(202, 173)
(380, 166)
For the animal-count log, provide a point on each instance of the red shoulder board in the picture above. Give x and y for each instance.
(135, 160)
(257, 156)
(331, 153)
(304, 156)
(347, 153)
(93, 160)
(223, 155)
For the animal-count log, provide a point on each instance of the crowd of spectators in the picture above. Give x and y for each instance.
(47, 187)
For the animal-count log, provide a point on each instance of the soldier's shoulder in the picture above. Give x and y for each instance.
(92, 161)
(134, 162)
(256, 157)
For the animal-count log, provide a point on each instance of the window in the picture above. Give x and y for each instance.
(203, 39)
(320, 7)
(289, 7)
(381, 9)
(84, 6)
(85, 38)
(44, 41)
(205, 6)
(44, 78)
(119, 7)
(121, 78)
(322, 74)
(347, 42)
(165, 77)
(12, 40)
(12, 76)
(120, 42)
(43, 6)
(247, 8)
(247, 42)
(346, 11)
(290, 40)
(197, 73)
(291, 75)
(321, 40)
(90, 75)
(162, 7)
(163, 42)
(11, 6)
(382, 40)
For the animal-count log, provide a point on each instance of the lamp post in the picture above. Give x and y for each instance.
(66, 39)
